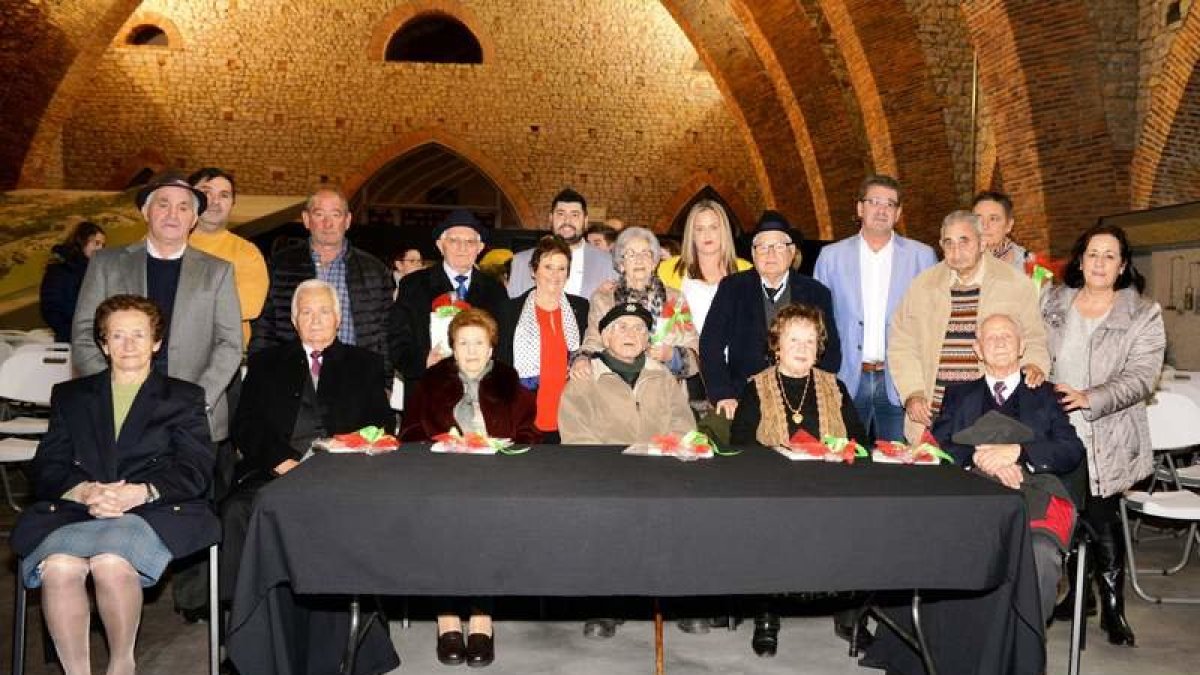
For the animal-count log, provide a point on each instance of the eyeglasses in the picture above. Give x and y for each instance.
(775, 247)
(459, 242)
(412, 261)
(634, 255)
(882, 203)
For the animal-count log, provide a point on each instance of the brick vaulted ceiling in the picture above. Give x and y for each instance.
(824, 91)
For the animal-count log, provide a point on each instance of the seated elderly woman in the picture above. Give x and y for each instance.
(473, 393)
(121, 478)
(627, 397)
(790, 395)
(636, 256)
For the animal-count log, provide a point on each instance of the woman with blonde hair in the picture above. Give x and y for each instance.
(708, 257)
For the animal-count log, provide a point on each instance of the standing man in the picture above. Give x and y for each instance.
(194, 290)
(590, 266)
(932, 336)
(867, 274)
(197, 295)
(214, 238)
(363, 283)
(460, 239)
(733, 345)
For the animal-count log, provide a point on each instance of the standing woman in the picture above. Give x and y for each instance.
(64, 276)
(542, 329)
(1106, 346)
(636, 256)
(474, 393)
(121, 477)
(708, 256)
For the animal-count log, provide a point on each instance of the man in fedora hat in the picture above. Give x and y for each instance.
(364, 284)
(460, 238)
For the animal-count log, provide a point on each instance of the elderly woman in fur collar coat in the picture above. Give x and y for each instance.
(474, 393)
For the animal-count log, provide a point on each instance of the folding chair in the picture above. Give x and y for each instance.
(26, 378)
(20, 617)
(1170, 436)
(1175, 505)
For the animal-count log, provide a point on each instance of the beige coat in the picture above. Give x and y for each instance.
(1125, 355)
(918, 326)
(602, 301)
(603, 410)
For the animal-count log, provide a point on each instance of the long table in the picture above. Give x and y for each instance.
(589, 521)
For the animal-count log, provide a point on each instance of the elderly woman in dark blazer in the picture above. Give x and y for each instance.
(121, 477)
(473, 393)
(1106, 349)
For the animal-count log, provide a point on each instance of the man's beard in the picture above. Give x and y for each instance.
(575, 238)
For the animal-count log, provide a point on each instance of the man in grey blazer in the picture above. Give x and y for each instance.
(590, 266)
(196, 291)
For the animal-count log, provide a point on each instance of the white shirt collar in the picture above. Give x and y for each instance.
(451, 273)
(153, 252)
(1010, 383)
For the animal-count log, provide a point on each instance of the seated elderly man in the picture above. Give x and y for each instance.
(1054, 451)
(627, 398)
(311, 387)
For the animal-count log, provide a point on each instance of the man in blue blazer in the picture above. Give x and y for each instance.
(733, 345)
(867, 274)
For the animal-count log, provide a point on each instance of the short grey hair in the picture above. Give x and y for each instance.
(629, 234)
(961, 216)
(150, 198)
(316, 284)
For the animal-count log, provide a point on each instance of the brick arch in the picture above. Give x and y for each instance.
(1154, 181)
(1039, 69)
(530, 219)
(391, 22)
(147, 18)
(63, 51)
(694, 185)
(902, 113)
(738, 71)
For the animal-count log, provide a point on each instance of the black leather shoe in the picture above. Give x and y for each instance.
(451, 649)
(599, 629)
(846, 632)
(765, 640)
(693, 626)
(481, 650)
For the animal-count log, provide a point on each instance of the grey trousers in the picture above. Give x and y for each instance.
(1048, 561)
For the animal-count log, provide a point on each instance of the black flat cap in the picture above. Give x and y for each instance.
(627, 309)
(994, 428)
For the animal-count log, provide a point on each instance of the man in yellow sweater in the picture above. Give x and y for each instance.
(212, 237)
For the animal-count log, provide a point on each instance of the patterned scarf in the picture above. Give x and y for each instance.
(467, 412)
(653, 297)
(773, 426)
(527, 340)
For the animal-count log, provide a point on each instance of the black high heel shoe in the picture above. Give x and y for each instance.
(766, 635)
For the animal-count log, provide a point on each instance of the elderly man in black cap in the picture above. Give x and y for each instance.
(363, 283)
(733, 345)
(460, 239)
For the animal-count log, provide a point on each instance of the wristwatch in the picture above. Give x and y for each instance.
(151, 493)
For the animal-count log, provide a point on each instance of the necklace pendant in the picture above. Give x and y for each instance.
(797, 417)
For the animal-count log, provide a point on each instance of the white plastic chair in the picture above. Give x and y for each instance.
(1174, 505)
(26, 378)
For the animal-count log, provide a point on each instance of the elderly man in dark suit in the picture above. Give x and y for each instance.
(310, 387)
(460, 239)
(733, 345)
(1055, 449)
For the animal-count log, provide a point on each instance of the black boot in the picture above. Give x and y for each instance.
(1064, 610)
(766, 634)
(1110, 583)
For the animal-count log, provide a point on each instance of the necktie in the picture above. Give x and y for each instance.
(770, 292)
(998, 391)
(460, 286)
(315, 367)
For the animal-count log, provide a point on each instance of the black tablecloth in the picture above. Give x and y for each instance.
(580, 521)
